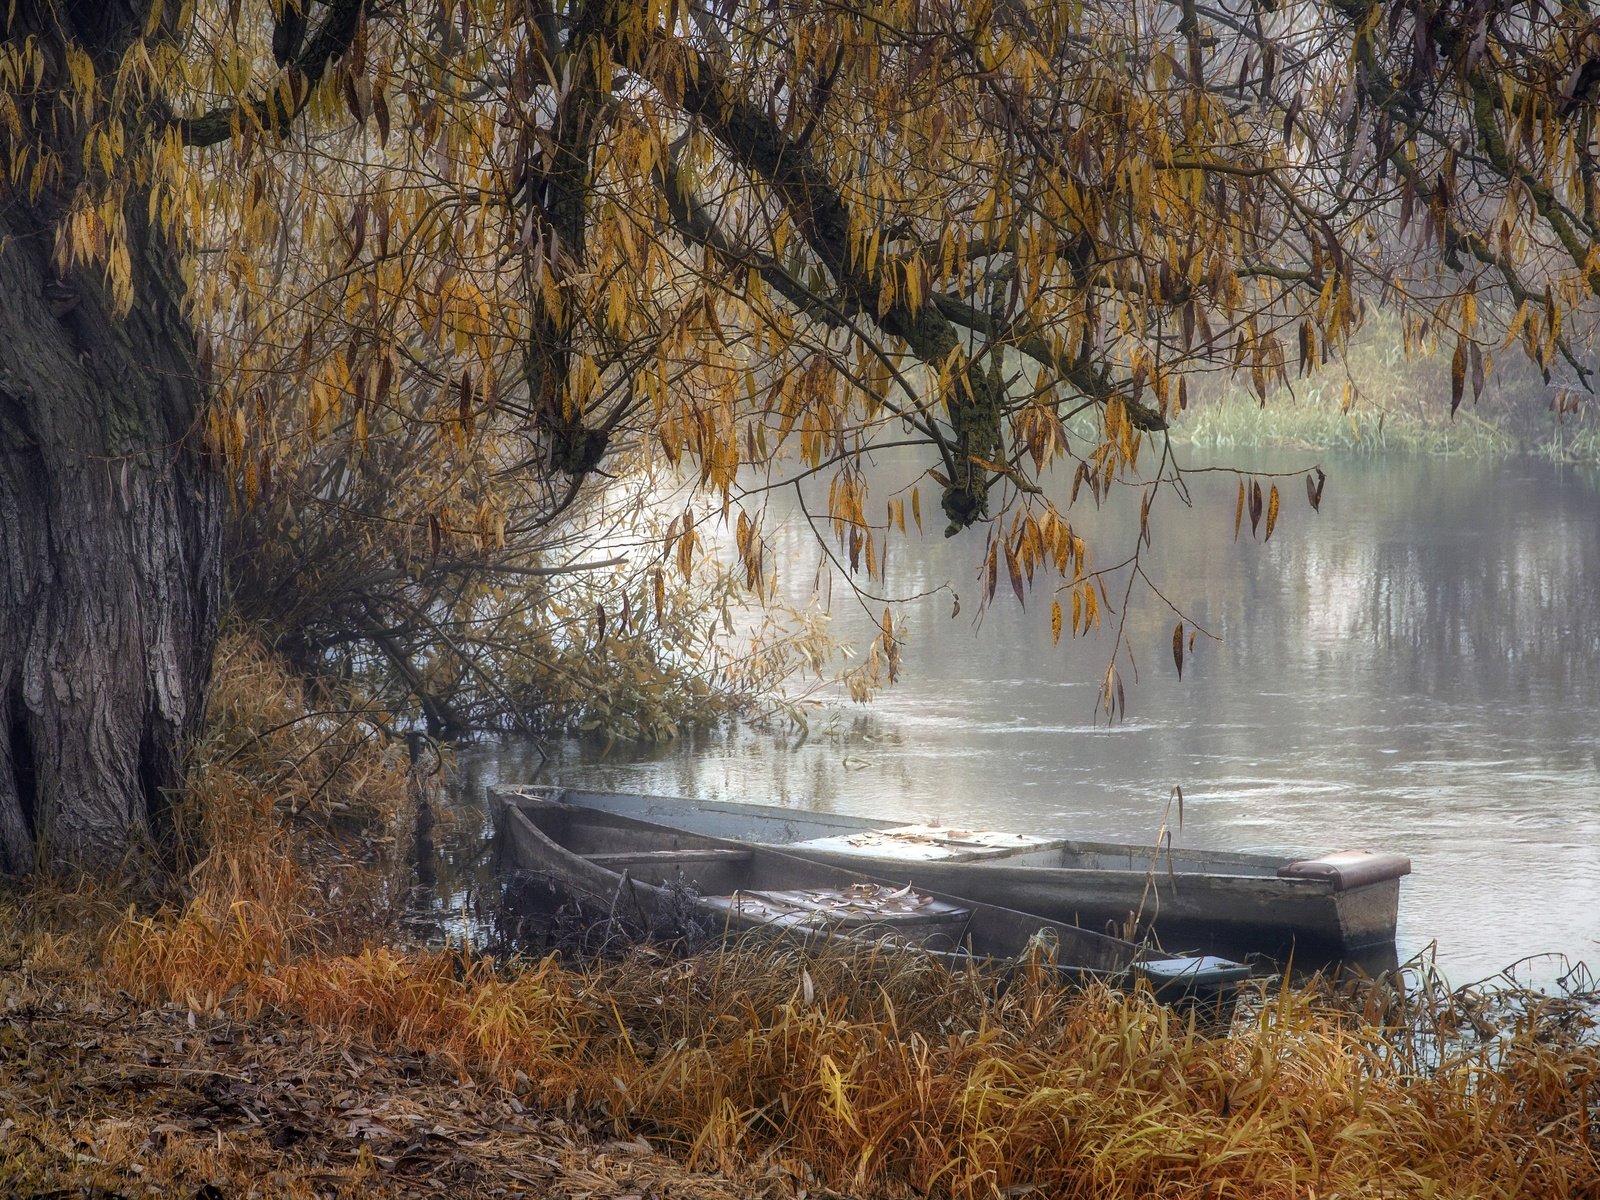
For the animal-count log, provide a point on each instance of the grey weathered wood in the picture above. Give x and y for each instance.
(1217, 900)
(579, 851)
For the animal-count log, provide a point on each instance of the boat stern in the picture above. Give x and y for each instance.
(1366, 892)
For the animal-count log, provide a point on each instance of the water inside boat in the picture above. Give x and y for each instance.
(854, 907)
(945, 843)
(933, 843)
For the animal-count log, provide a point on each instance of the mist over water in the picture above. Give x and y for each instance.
(1416, 668)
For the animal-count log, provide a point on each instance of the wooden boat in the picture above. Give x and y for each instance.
(1335, 907)
(620, 864)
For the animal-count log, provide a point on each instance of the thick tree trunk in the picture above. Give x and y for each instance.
(110, 538)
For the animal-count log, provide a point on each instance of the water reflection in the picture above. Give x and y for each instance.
(1417, 668)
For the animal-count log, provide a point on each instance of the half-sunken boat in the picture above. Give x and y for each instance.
(630, 867)
(1336, 906)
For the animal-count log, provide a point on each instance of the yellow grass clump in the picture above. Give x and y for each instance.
(296, 800)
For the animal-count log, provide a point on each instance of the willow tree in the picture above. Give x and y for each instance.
(248, 247)
(110, 495)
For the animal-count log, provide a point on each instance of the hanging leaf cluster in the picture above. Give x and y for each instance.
(457, 263)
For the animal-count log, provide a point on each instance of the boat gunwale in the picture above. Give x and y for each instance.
(1154, 869)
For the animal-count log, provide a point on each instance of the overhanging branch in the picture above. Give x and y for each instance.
(266, 109)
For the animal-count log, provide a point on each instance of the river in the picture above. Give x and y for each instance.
(1414, 668)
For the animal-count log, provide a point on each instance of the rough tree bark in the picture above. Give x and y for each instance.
(110, 503)
(110, 545)
(110, 516)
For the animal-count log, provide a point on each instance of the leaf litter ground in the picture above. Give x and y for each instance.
(106, 1097)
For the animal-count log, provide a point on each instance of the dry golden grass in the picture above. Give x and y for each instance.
(296, 801)
(107, 1097)
(885, 1072)
(169, 1053)
(868, 1071)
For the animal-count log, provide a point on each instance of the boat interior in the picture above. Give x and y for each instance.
(944, 843)
(859, 907)
(846, 836)
(759, 886)
(756, 886)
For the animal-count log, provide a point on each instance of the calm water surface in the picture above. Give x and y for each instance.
(1416, 668)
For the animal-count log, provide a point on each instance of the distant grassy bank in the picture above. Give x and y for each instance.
(1239, 423)
(1378, 400)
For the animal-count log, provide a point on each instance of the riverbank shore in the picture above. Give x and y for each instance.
(257, 1025)
(1379, 399)
(105, 1096)
(1240, 423)
(170, 1056)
